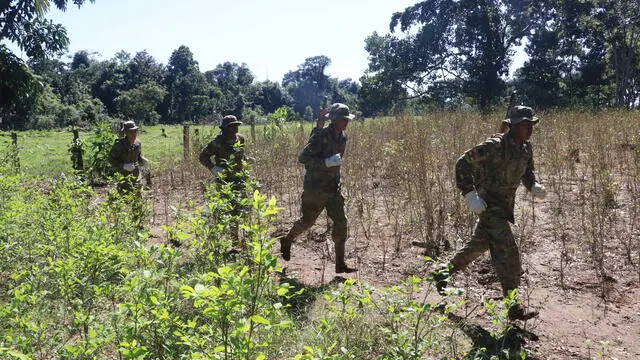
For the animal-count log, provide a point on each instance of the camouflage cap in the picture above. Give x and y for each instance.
(229, 120)
(340, 111)
(128, 125)
(518, 114)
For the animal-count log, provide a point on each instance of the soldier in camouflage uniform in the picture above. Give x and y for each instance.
(322, 157)
(488, 176)
(224, 156)
(126, 156)
(227, 150)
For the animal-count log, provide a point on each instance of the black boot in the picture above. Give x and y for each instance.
(285, 248)
(341, 266)
(441, 277)
(517, 312)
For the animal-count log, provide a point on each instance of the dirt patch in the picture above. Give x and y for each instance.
(585, 311)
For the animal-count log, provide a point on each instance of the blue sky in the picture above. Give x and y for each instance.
(272, 37)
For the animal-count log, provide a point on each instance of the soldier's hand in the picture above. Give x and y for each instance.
(215, 170)
(129, 167)
(475, 202)
(538, 190)
(334, 160)
(322, 117)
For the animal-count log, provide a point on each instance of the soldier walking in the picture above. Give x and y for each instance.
(224, 156)
(227, 151)
(322, 158)
(488, 176)
(126, 156)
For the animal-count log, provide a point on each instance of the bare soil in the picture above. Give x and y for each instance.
(584, 314)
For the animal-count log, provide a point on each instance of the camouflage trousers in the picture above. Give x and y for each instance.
(493, 233)
(313, 202)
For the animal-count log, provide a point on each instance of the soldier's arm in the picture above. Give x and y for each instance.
(314, 131)
(471, 162)
(206, 153)
(529, 177)
(311, 155)
(344, 146)
(141, 159)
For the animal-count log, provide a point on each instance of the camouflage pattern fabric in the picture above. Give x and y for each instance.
(123, 152)
(313, 202)
(495, 169)
(322, 144)
(322, 184)
(493, 233)
(225, 153)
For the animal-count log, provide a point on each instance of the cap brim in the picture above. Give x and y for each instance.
(231, 123)
(349, 117)
(533, 120)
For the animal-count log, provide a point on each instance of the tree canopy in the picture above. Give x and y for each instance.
(440, 54)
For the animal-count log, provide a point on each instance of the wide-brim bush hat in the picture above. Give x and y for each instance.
(340, 111)
(518, 114)
(128, 125)
(229, 120)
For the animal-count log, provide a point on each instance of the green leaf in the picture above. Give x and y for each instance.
(282, 291)
(260, 320)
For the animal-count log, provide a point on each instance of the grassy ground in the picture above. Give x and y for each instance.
(45, 153)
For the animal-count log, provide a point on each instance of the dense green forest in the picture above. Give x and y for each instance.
(440, 54)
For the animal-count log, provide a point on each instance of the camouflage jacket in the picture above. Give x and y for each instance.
(322, 144)
(225, 153)
(123, 152)
(495, 169)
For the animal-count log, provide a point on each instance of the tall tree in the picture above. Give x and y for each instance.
(309, 84)
(234, 81)
(143, 69)
(23, 23)
(467, 40)
(187, 88)
(269, 96)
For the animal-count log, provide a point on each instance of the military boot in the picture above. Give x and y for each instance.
(341, 266)
(285, 248)
(441, 277)
(517, 312)
(441, 281)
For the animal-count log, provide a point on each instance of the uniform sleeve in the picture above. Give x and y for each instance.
(314, 131)
(343, 146)
(311, 155)
(470, 164)
(529, 177)
(141, 159)
(206, 153)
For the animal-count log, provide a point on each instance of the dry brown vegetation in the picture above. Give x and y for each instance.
(580, 246)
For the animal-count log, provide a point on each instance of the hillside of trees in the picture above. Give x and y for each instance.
(440, 55)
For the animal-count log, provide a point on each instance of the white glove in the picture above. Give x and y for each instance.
(538, 191)
(475, 202)
(216, 169)
(331, 161)
(129, 167)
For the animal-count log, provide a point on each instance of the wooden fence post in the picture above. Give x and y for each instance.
(15, 158)
(185, 141)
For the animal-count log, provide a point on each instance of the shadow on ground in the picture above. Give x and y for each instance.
(299, 305)
(485, 346)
